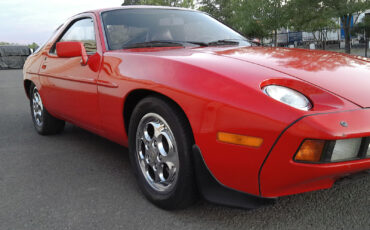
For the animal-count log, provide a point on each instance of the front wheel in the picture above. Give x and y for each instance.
(43, 122)
(160, 143)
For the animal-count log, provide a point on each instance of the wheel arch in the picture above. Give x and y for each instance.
(27, 85)
(135, 96)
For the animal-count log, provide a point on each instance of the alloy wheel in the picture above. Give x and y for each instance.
(157, 152)
(37, 107)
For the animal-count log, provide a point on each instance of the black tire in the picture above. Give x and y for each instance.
(183, 192)
(45, 124)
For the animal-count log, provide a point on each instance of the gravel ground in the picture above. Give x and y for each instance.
(77, 180)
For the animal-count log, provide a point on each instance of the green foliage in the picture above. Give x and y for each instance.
(310, 16)
(223, 11)
(272, 13)
(345, 9)
(261, 18)
(253, 18)
(177, 3)
(131, 2)
(239, 14)
(342, 8)
(33, 46)
(4, 43)
(363, 27)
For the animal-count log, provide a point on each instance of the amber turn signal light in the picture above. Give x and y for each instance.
(310, 150)
(239, 139)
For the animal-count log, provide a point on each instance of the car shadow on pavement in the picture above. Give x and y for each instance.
(333, 208)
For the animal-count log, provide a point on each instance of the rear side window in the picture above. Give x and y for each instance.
(81, 31)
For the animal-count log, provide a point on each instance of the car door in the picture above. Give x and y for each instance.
(69, 88)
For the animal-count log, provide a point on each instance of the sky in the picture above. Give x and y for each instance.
(27, 21)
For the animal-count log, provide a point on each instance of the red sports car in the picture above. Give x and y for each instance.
(201, 108)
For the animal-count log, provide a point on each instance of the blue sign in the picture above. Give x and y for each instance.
(342, 29)
(295, 37)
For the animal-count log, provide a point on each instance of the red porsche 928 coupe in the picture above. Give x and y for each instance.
(202, 109)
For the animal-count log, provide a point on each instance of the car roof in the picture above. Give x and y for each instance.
(137, 7)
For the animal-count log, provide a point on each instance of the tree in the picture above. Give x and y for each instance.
(311, 16)
(364, 28)
(33, 46)
(176, 3)
(223, 11)
(130, 2)
(247, 21)
(272, 15)
(345, 10)
(253, 18)
(238, 14)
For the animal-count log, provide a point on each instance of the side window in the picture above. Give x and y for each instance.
(82, 31)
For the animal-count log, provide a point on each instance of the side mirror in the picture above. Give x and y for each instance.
(72, 49)
(256, 41)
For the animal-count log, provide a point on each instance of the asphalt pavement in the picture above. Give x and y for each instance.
(78, 180)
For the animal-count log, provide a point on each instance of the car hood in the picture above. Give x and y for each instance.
(344, 75)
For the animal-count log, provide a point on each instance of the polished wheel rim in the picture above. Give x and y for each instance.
(157, 153)
(37, 107)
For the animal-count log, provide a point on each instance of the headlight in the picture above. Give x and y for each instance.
(288, 96)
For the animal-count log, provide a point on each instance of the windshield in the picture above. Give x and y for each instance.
(165, 27)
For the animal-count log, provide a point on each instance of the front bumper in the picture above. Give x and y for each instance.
(280, 175)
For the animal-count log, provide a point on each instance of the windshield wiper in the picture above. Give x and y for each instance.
(197, 43)
(223, 42)
(153, 44)
(214, 43)
(179, 43)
